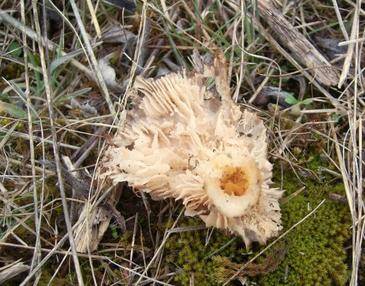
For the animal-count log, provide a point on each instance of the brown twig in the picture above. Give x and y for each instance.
(301, 48)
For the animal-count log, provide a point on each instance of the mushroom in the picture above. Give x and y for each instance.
(186, 139)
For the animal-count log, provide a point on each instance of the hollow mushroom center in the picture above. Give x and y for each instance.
(234, 181)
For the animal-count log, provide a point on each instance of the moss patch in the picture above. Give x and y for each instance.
(192, 253)
(315, 253)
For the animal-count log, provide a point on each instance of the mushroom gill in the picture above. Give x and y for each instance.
(186, 139)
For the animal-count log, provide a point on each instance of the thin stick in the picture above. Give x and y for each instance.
(93, 59)
(350, 49)
(55, 145)
(47, 257)
(356, 137)
(133, 244)
(44, 41)
(94, 18)
(340, 22)
(37, 253)
(17, 134)
(159, 249)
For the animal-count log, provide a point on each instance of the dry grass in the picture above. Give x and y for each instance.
(65, 67)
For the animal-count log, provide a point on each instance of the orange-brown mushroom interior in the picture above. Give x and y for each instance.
(234, 181)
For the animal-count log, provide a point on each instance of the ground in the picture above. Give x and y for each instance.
(61, 98)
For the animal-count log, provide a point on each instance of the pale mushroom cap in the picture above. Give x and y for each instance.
(232, 184)
(180, 141)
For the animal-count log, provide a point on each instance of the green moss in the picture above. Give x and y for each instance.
(315, 252)
(46, 277)
(192, 258)
(215, 261)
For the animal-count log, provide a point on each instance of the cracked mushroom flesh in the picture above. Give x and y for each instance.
(186, 139)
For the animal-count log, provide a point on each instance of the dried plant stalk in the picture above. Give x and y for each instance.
(301, 48)
(93, 221)
(12, 270)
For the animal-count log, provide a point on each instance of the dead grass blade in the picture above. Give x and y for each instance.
(12, 270)
(55, 145)
(92, 57)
